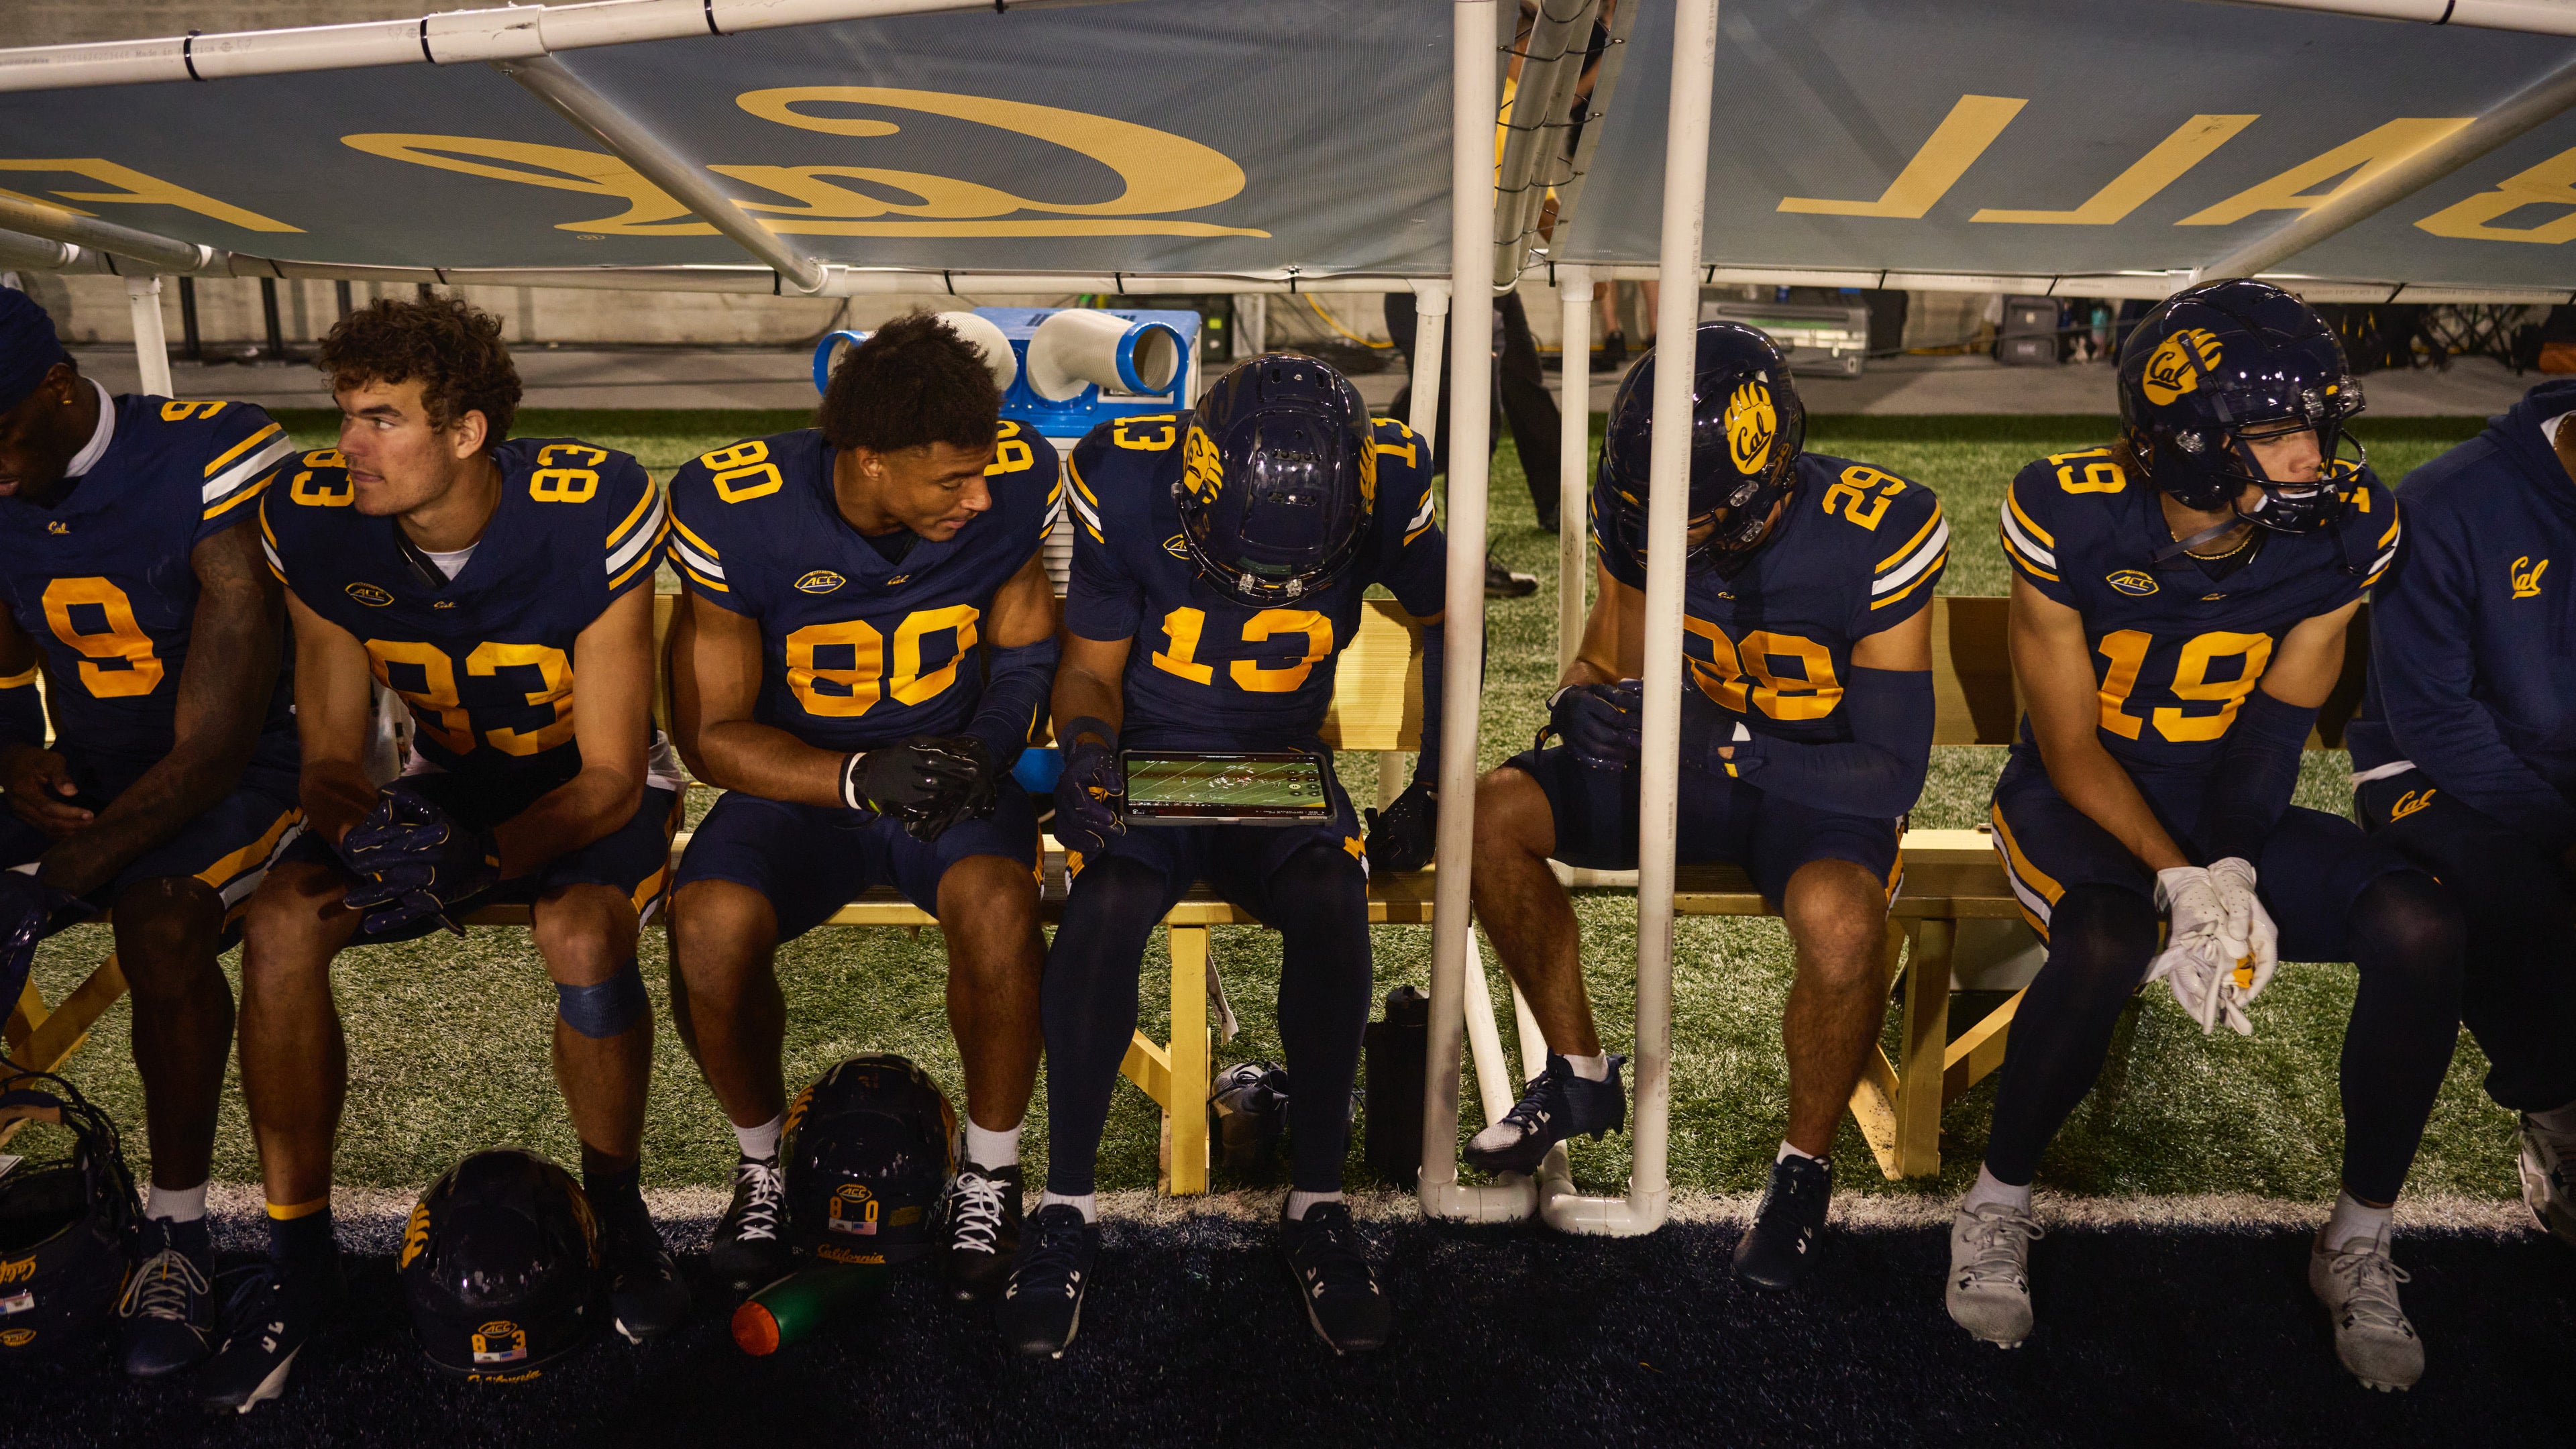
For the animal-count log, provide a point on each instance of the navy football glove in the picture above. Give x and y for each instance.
(1089, 792)
(1405, 836)
(927, 783)
(1600, 723)
(28, 908)
(414, 860)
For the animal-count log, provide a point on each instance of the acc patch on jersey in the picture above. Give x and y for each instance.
(2134, 582)
(820, 581)
(369, 595)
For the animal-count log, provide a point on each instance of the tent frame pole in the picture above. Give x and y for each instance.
(1573, 450)
(1649, 1196)
(151, 338)
(566, 94)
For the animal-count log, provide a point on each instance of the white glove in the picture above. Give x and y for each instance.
(2207, 960)
(2249, 924)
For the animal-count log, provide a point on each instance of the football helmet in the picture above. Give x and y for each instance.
(866, 1151)
(2227, 361)
(65, 1224)
(1747, 428)
(501, 1267)
(1278, 480)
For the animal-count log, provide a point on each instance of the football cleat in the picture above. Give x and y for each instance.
(1556, 1105)
(1989, 1289)
(2549, 1178)
(646, 1295)
(270, 1315)
(750, 1252)
(979, 1229)
(2358, 1285)
(168, 1303)
(1343, 1302)
(1781, 1245)
(1041, 1308)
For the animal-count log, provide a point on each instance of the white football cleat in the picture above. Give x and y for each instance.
(1989, 1287)
(2358, 1285)
(2549, 1177)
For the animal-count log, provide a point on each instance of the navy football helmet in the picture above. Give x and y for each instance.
(2227, 361)
(501, 1267)
(1278, 479)
(1747, 427)
(866, 1151)
(66, 1224)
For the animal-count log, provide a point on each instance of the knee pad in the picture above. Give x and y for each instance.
(608, 1009)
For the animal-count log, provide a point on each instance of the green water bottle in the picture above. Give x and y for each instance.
(803, 1303)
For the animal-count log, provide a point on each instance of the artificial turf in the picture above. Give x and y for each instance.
(448, 1038)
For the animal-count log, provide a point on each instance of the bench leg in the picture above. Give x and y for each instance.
(1185, 1130)
(1924, 1033)
(49, 1038)
(25, 1015)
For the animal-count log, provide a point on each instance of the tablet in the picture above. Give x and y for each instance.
(1186, 787)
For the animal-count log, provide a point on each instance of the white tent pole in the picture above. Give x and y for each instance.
(2533, 105)
(1667, 521)
(2536, 17)
(151, 341)
(1430, 338)
(53, 223)
(647, 153)
(1471, 255)
(23, 253)
(1573, 449)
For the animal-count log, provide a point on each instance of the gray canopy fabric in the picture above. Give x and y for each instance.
(2117, 141)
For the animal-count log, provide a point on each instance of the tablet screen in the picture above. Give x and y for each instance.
(1226, 784)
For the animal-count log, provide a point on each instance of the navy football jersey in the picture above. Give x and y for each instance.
(1206, 672)
(2176, 651)
(856, 651)
(485, 659)
(1857, 551)
(103, 583)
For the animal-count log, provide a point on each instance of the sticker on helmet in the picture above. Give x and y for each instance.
(16, 1337)
(500, 1341)
(1202, 467)
(415, 1235)
(1751, 424)
(2170, 372)
(17, 1303)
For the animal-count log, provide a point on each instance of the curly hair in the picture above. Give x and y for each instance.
(451, 345)
(914, 381)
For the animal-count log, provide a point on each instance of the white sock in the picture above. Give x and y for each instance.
(1787, 1152)
(2559, 1121)
(2354, 1218)
(1298, 1202)
(1088, 1204)
(760, 1143)
(176, 1204)
(1591, 1068)
(1989, 1189)
(988, 1148)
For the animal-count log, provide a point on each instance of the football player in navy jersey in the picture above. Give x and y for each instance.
(2463, 761)
(129, 565)
(868, 638)
(1806, 731)
(469, 573)
(1218, 571)
(2178, 614)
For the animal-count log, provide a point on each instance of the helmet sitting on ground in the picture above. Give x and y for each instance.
(866, 1151)
(501, 1267)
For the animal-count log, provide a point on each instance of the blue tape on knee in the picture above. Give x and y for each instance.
(608, 1009)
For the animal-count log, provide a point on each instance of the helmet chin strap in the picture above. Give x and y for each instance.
(2181, 546)
(2235, 515)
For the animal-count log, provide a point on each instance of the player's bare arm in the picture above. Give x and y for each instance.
(334, 693)
(2055, 666)
(224, 688)
(1087, 683)
(38, 780)
(715, 683)
(2309, 660)
(1024, 610)
(612, 719)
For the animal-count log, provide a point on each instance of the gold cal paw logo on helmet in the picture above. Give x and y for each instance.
(1202, 467)
(2526, 577)
(1751, 424)
(415, 1235)
(2170, 372)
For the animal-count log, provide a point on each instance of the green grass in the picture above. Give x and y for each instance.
(448, 1039)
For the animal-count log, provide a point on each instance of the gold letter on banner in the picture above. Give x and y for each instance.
(2365, 156)
(1963, 136)
(648, 208)
(142, 190)
(2551, 183)
(2187, 147)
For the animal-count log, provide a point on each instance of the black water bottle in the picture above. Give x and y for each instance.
(1399, 1051)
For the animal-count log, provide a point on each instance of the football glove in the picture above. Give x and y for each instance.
(921, 782)
(1404, 837)
(2208, 960)
(972, 801)
(1600, 723)
(28, 909)
(1090, 791)
(414, 860)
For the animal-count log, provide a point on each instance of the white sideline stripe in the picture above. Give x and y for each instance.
(1924, 553)
(695, 559)
(373, 1218)
(644, 534)
(249, 468)
(2030, 547)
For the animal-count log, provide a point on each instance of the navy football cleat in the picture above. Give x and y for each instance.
(272, 1313)
(749, 1253)
(1041, 1309)
(1343, 1302)
(1781, 1245)
(168, 1303)
(1557, 1105)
